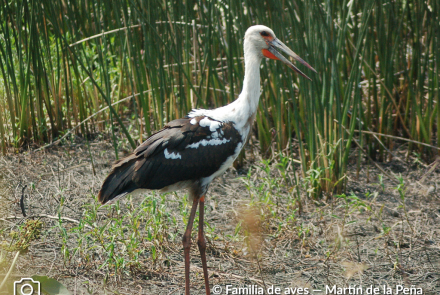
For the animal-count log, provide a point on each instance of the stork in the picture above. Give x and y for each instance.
(189, 153)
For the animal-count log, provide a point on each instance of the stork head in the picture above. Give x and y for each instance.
(262, 41)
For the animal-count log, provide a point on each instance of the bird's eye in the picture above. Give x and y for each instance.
(264, 34)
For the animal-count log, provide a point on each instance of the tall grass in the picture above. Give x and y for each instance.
(377, 64)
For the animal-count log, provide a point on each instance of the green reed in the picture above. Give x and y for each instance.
(377, 64)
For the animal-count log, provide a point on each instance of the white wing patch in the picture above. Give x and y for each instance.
(214, 125)
(217, 133)
(173, 155)
(206, 122)
(197, 112)
(193, 121)
(205, 142)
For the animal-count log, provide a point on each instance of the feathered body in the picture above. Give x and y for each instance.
(189, 153)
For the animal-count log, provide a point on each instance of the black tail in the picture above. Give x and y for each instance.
(119, 181)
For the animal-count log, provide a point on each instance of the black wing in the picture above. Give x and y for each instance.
(185, 149)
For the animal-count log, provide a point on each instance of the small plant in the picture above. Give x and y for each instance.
(323, 174)
(312, 182)
(401, 189)
(22, 239)
(352, 203)
(380, 176)
(417, 159)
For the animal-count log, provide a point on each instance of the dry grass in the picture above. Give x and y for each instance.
(255, 232)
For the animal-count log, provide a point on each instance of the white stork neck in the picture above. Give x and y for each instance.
(250, 94)
(242, 111)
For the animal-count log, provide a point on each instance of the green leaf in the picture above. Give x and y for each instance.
(51, 286)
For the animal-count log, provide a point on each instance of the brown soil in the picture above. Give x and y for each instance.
(252, 239)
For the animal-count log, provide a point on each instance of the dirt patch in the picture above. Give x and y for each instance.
(382, 233)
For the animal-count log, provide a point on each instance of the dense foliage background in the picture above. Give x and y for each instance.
(128, 67)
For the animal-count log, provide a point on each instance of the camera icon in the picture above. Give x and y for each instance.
(26, 286)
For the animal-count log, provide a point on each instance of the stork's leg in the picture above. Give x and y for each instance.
(201, 242)
(186, 240)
